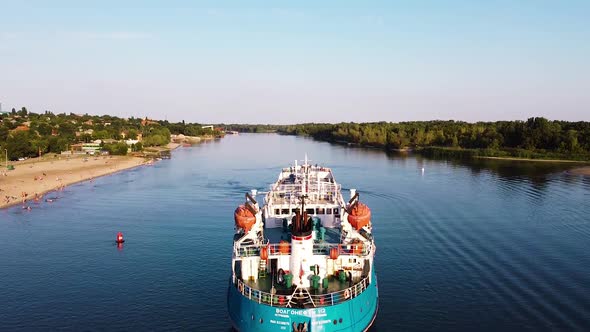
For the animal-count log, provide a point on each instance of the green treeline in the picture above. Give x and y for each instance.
(187, 129)
(26, 134)
(534, 138)
(252, 128)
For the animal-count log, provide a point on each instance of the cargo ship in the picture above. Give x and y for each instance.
(304, 261)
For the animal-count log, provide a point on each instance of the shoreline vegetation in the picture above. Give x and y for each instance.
(534, 139)
(45, 152)
(512, 155)
(24, 134)
(29, 134)
(536, 160)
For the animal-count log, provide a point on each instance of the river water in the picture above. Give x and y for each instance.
(484, 245)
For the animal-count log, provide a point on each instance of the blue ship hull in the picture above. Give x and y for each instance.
(356, 314)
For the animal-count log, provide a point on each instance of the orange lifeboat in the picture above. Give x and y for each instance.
(244, 218)
(264, 253)
(284, 247)
(359, 216)
(334, 253)
(357, 247)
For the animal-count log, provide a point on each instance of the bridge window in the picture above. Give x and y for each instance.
(329, 211)
(277, 211)
(310, 211)
(335, 210)
(285, 211)
(321, 211)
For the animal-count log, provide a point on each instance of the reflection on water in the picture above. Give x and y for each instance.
(462, 245)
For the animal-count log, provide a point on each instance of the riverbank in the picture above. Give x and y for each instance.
(35, 178)
(580, 171)
(503, 154)
(535, 160)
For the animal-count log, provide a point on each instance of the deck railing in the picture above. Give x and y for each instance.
(315, 300)
(363, 249)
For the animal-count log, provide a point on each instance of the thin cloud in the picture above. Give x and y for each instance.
(8, 35)
(287, 13)
(375, 20)
(78, 35)
(111, 35)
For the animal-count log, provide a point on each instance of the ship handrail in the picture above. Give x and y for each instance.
(250, 250)
(312, 167)
(289, 193)
(315, 300)
(297, 187)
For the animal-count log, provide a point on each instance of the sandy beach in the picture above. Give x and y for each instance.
(580, 171)
(33, 178)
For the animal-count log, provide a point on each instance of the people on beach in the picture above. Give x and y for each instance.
(24, 196)
(29, 187)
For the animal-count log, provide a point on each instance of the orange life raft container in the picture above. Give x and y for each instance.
(359, 216)
(244, 218)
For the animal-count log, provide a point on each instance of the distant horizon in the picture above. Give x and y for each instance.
(331, 61)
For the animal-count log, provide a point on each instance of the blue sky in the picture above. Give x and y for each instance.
(298, 61)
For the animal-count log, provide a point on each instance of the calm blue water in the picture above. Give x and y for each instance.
(464, 246)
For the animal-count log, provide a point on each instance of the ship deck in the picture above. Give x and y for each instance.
(265, 284)
(275, 235)
(295, 201)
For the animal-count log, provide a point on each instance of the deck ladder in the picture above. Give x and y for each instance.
(262, 269)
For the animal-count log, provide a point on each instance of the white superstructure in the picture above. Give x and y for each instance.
(303, 231)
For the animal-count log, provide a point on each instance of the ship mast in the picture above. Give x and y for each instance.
(301, 246)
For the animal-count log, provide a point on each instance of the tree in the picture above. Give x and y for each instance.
(56, 144)
(19, 145)
(42, 128)
(86, 138)
(132, 134)
(101, 134)
(455, 141)
(571, 141)
(116, 149)
(40, 145)
(3, 133)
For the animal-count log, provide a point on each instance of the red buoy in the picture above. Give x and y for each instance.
(120, 238)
